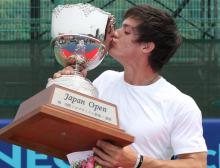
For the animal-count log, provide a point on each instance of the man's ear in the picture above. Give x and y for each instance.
(148, 47)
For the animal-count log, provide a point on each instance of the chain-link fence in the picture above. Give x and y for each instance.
(30, 19)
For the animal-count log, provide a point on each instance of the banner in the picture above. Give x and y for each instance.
(12, 156)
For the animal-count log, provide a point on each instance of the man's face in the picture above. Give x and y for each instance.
(124, 46)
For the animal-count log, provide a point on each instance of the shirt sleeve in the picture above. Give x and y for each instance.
(187, 131)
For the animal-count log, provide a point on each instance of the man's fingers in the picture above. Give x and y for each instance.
(103, 158)
(101, 154)
(102, 162)
(107, 147)
(69, 70)
(84, 72)
(57, 75)
(66, 72)
(105, 144)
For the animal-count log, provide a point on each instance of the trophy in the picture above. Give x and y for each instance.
(67, 116)
(80, 35)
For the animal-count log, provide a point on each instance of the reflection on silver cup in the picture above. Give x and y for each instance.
(80, 42)
(77, 50)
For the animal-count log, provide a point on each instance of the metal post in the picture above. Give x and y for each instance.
(180, 8)
(216, 33)
(202, 16)
(209, 29)
(35, 19)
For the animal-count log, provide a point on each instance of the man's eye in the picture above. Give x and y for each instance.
(126, 32)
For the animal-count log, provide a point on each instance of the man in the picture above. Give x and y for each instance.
(163, 120)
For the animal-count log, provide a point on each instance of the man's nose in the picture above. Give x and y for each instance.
(116, 33)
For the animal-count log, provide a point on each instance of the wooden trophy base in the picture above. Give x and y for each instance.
(53, 130)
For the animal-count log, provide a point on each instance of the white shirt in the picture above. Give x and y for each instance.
(163, 120)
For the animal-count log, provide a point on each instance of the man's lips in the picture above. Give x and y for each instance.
(113, 42)
(111, 45)
(114, 39)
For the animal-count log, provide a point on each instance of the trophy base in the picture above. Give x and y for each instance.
(41, 126)
(75, 82)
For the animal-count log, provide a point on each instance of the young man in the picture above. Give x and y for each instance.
(163, 120)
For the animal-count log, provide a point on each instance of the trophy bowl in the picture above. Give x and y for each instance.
(80, 38)
(78, 50)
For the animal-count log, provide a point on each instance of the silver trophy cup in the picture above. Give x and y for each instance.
(80, 38)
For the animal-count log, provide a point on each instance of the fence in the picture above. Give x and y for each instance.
(30, 19)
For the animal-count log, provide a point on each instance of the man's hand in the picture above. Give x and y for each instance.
(68, 71)
(110, 155)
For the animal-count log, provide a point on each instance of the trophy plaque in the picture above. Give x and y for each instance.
(67, 116)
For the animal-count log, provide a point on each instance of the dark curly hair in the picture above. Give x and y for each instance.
(159, 27)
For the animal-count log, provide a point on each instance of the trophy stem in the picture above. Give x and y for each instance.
(76, 69)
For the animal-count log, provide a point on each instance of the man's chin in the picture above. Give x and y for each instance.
(110, 52)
